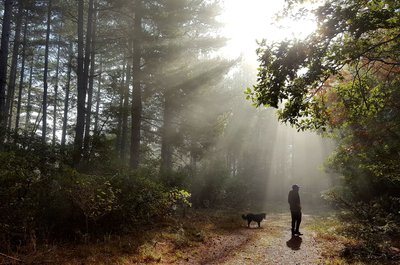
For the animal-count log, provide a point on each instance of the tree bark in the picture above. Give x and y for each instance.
(125, 108)
(96, 115)
(118, 146)
(86, 67)
(46, 67)
(91, 80)
(21, 80)
(53, 142)
(80, 117)
(28, 104)
(66, 99)
(14, 62)
(5, 37)
(136, 110)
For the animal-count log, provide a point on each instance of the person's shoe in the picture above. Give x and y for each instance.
(298, 234)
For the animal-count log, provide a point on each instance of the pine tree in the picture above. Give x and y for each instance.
(5, 35)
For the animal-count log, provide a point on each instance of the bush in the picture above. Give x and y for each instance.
(25, 191)
(141, 199)
(42, 198)
(374, 222)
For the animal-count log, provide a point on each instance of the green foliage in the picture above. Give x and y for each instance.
(27, 189)
(344, 79)
(94, 195)
(140, 199)
(373, 224)
(350, 33)
(367, 135)
(177, 196)
(44, 198)
(366, 117)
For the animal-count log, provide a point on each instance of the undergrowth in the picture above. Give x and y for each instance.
(346, 241)
(175, 239)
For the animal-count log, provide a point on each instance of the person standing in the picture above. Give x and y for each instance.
(295, 209)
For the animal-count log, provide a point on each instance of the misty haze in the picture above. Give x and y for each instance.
(199, 132)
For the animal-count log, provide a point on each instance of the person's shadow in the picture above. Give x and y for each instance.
(294, 243)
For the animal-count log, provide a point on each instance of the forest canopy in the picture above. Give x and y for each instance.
(353, 39)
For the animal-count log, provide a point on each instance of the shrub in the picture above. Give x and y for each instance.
(42, 198)
(142, 199)
(25, 191)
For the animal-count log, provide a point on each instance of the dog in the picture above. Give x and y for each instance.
(254, 217)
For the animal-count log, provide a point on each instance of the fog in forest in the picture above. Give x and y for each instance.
(152, 120)
(255, 159)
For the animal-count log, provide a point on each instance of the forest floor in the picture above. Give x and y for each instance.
(210, 238)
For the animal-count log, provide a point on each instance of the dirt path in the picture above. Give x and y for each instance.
(270, 244)
(229, 244)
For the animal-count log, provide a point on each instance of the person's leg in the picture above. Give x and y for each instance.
(293, 222)
(298, 221)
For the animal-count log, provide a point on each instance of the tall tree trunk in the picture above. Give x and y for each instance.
(96, 115)
(46, 67)
(37, 121)
(136, 110)
(21, 80)
(28, 104)
(125, 112)
(5, 37)
(91, 80)
(166, 133)
(118, 146)
(80, 117)
(53, 141)
(66, 100)
(88, 45)
(14, 62)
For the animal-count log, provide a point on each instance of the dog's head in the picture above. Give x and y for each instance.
(244, 216)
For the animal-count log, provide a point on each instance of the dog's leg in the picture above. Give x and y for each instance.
(248, 223)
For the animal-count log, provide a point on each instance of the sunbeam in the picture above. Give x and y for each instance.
(252, 20)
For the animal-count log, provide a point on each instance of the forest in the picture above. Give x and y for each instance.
(129, 136)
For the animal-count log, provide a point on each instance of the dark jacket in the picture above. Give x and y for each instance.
(294, 201)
